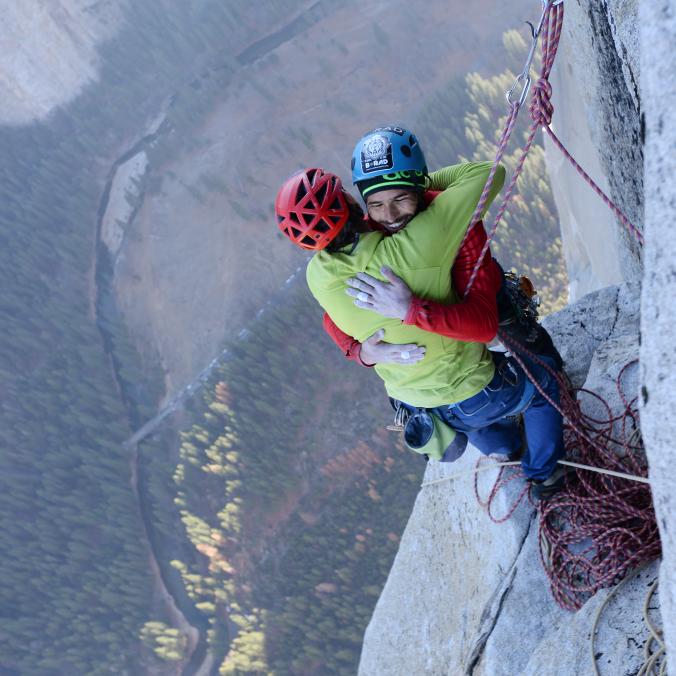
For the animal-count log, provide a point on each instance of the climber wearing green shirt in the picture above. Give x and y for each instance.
(456, 381)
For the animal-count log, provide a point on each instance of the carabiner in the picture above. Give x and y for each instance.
(525, 78)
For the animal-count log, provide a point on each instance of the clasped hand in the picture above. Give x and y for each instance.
(390, 299)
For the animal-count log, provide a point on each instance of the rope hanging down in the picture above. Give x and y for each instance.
(654, 649)
(541, 110)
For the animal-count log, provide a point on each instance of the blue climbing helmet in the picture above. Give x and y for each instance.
(388, 157)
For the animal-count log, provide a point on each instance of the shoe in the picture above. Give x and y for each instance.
(544, 490)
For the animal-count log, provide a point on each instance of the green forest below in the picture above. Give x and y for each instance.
(281, 504)
(76, 584)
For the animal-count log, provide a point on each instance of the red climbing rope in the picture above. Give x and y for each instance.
(505, 476)
(541, 110)
(600, 526)
(632, 228)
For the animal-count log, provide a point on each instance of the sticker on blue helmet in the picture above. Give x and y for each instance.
(394, 130)
(376, 154)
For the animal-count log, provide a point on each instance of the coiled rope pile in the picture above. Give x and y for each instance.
(600, 526)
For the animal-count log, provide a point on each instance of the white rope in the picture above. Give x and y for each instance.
(600, 470)
(568, 463)
(468, 472)
(655, 663)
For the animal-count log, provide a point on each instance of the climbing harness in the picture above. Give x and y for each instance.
(518, 307)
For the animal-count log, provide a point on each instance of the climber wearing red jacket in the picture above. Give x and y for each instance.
(473, 319)
(315, 213)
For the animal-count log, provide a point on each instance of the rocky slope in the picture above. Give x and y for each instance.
(468, 596)
(658, 312)
(50, 52)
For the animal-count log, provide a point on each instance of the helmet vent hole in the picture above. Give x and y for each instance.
(411, 140)
(321, 226)
(300, 193)
(406, 151)
(295, 231)
(336, 204)
(307, 240)
(321, 193)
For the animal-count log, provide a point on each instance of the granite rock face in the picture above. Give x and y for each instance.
(658, 316)
(468, 596)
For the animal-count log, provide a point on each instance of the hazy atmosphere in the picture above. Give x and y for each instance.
(194, 479)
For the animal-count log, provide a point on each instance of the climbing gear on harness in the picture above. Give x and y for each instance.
(401, 414)
(386, 158)
(505, 367)
(518, 306)
(426, 433)
(311, 208)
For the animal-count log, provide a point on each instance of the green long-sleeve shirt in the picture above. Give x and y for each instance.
(422, 255)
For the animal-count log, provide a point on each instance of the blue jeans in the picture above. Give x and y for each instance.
(490, 418)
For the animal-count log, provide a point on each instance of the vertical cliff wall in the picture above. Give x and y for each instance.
(658, 311)
(49, 52)
(598, 117)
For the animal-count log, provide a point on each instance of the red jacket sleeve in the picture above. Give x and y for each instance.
(476, 317)
(350, 347)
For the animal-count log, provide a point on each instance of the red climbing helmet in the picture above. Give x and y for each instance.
(311, 208)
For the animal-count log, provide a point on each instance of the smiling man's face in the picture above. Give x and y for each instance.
(393, 208)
